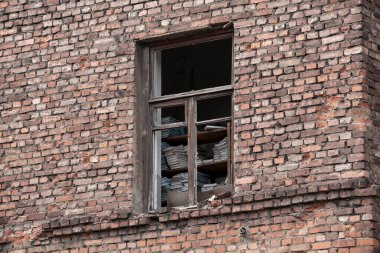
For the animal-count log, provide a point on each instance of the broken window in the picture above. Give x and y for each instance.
(189, 121)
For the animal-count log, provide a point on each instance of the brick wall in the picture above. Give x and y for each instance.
(305, 137)
(371, 18)
(341, 226)
(371, 43)
(300, 111)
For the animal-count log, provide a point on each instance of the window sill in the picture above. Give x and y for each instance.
(249, 202)
(203, 208)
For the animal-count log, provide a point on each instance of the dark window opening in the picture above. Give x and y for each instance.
(186, 118)
(213, 108)
(196, 67)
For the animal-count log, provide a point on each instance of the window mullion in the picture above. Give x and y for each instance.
(204, 93)
(192, 149)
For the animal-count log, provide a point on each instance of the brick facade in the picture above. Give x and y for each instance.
(306, 108)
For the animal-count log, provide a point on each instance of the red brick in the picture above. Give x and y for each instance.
(305, 136)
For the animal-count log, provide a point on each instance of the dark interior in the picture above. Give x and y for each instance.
(183, 69)
(213, 108)
(171, 113)
(196, 67)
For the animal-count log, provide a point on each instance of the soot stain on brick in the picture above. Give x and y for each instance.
(86, 159)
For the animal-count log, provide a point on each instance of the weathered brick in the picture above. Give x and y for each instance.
(305, 137)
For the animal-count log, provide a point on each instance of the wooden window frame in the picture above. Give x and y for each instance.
(144, 196)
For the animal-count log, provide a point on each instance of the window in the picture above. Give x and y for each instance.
(184, 109)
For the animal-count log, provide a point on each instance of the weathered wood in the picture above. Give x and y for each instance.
(140, 173)
(211, 121)
(148, 142)
(180, 96)
(188, 38)
(156, 54)
(169, 126)
(169, 103)
(192, 152)
(202, 137)
(209, 95)
(229, 152)
(216, 168)
(156, 173)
